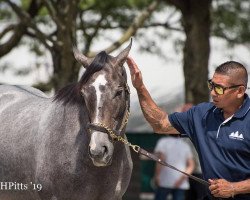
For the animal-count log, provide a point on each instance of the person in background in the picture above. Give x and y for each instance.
(219, 129)
(196, 191)
(169, 181)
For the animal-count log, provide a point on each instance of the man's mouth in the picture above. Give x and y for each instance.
(215, 101)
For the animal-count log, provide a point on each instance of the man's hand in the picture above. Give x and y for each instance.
(221, 188)
(136, 76)
(157, 181)
(179, 182)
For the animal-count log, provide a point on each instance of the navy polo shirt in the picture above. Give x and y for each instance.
(223, 145)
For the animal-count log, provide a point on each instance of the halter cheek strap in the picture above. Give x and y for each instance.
(124, 120)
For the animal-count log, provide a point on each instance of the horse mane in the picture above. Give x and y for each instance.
(72, 92)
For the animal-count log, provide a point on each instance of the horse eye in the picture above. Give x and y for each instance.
(118, 93)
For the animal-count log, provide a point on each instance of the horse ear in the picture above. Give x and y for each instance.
(85, 61)
(121, 58)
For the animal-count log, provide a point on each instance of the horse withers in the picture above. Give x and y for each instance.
(57, 148)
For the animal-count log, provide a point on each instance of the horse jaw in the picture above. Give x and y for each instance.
(100, 149)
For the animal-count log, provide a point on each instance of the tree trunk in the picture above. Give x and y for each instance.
(66, 68)
(196, 23)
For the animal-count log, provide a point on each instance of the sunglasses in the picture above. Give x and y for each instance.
(218, 88)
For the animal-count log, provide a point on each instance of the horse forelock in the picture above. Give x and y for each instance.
(98, 64)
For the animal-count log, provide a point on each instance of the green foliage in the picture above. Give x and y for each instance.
(44, 32)
(115, 14)
(140, 4)
(43, 11)
(25, 4)
(231, 20)
(5, 14)
(111, 4)
(36, 48)
(119, 9)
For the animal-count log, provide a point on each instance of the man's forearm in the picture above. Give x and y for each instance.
(188, 170)
(156, 117)
(190, 166)
(242, 187)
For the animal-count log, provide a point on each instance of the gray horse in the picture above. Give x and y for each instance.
(55, 149)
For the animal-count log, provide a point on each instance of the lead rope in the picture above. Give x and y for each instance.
(142, 151)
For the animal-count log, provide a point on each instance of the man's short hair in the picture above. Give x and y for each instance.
(229, 68)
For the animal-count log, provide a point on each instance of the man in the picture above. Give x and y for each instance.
(167, 180)
(220, 130)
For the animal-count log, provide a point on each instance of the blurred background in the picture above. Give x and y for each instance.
(177, 45)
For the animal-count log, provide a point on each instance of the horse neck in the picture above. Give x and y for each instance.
(67, 126)
(71, 117)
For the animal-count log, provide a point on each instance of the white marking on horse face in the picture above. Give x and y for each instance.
(100, 156)
(100, 81)
(94, 138)
(99, 140)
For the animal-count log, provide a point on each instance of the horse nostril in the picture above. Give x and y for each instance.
(105, 150)
(89, 149)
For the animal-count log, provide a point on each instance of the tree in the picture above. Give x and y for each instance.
(196, 24)
(62, 21)
(88, 18)
(231, 21)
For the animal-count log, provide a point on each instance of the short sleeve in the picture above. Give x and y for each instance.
(159, 146)
(182, 122)
(189, 122)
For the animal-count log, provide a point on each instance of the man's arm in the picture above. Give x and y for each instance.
(225, 189)
(156, 117)
(241, 187)
(189, 169)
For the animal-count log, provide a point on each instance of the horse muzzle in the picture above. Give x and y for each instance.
(100, 149)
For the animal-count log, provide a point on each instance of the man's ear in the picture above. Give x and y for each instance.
(241, 91)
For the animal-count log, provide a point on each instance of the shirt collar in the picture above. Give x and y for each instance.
(241, 112)
(244, 108)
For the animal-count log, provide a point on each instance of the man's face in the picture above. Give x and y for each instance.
(229, 97)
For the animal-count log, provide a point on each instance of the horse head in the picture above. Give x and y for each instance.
(105, 92)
